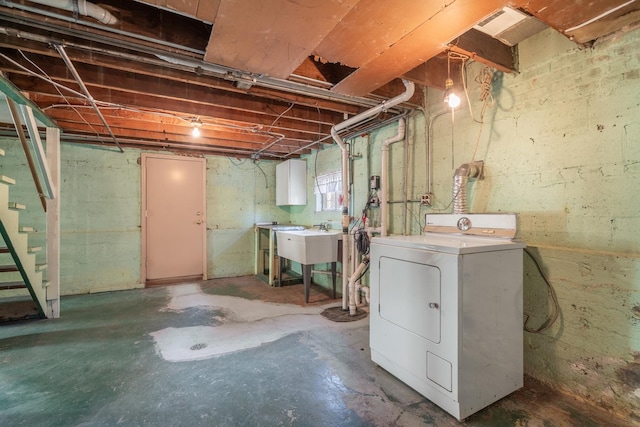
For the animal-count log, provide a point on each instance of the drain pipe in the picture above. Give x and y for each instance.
(81, 7)
(352, 285)
(384, 177)
(354, 289)
(410, 87)
(367, 292)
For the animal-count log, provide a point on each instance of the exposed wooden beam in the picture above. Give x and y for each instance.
(12, 92)
(155, 67)
(187, 100)
(435, 71)
(124, 120)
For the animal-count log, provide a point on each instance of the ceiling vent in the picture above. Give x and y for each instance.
(510, 26)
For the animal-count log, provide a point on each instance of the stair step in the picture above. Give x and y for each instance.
(17, 206)
(8, 268)
(40, 267)
(26, 229)
(12, 285)
(7, 180)
(4, 250)
(33, 249)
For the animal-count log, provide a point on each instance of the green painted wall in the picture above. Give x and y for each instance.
(561, 148)
(101, 222)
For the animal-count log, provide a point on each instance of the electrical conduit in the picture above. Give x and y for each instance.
(405, 96)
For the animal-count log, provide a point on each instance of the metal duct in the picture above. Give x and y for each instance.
(460, 180)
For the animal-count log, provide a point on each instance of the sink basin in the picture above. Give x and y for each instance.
(309, 246)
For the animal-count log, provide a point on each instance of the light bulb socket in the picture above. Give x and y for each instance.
(448, 84)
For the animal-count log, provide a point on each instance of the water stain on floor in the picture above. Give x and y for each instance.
(240, 324)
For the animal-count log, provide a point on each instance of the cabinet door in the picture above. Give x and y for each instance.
(291, 183)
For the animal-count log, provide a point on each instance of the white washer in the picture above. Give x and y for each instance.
(446, 310)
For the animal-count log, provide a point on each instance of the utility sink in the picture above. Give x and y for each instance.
(309, 246)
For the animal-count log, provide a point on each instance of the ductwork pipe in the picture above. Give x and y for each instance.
(346, 244)
(460, 180)
(82, 7)
(384, 177)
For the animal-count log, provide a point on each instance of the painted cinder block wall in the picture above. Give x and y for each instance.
(101, 217)
(561, 148)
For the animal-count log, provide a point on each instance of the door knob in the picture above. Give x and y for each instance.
(199, 221)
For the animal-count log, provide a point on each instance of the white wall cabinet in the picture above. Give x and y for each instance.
(291, 183)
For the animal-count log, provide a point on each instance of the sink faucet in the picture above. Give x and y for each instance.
(322, 226)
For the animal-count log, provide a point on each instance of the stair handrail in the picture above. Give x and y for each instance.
(36, 145)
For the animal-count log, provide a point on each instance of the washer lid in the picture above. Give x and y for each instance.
(449, 243)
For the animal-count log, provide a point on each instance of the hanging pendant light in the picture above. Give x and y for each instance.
(196, 124)
(450, 98)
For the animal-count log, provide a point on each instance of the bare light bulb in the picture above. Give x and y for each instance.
(454, 100)
(195, 132)
(450, 97)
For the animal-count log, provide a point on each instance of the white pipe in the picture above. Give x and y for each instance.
(366, 290)
(352, 285)
(403, 97)
(82, 7)
(384, 180)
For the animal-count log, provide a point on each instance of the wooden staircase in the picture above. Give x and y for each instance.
(22, 255)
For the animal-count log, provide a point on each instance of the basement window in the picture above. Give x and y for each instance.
(328, 191)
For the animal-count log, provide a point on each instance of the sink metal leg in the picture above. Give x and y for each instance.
(281, 262)
(306, 277)
(333, 277)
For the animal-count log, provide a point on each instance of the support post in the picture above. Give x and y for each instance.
(53, 225)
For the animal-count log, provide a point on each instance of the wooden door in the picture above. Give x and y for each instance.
(174, 218)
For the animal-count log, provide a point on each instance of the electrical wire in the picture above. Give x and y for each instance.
(279, 116)
(366, 269)
(485, 79)
(554, 298)
(255, 163)
(361, 238)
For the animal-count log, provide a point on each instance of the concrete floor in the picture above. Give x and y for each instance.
(227, 352)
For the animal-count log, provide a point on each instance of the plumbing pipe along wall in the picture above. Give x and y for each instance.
(346, 244)
(384, 177)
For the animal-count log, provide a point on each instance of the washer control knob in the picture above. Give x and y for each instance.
(464, 223)
(433, 305)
